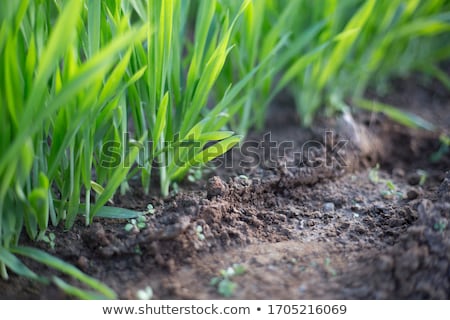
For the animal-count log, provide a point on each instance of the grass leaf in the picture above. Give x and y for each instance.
(403, 117)
(64, 267)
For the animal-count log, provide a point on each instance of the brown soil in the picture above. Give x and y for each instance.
(311, 225)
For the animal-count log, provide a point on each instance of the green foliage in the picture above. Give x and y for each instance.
(60, 88)
(94, 93)
(136, 224)
(169, 103)
(370, 42)
(224, 283)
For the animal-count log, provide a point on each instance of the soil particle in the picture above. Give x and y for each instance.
(215, 188)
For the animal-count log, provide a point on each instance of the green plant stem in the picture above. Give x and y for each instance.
(165, 181)
(3, 271)
(88, 206)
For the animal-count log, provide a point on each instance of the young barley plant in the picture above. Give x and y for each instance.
(60, 88)
(374, 40)
(171, 104)
(93, 93)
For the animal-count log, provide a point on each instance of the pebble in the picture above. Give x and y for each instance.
(413, 178)
(328, 207)
(83, 263)
(216, 187)
(412, 194)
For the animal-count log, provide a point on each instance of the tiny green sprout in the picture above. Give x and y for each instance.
(141, 222)
(329, 268)
(225, 286)
(136, 224)
(239, 269)
(199, 232)
(423, 176)
(129, 227)
(145, 294)
(175, 188)
(440, 226)
(150, 209)
(390, 185)
(195, 174)
(374, 174)
(227, 273)
(243, 177)
(390, 192)
(50, 239)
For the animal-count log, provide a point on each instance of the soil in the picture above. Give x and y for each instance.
(307, 213)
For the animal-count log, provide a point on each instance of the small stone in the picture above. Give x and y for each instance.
(328, 207)
(412, 194)
(413, 178)
(310, 223)
(83, 263)
(215, 187)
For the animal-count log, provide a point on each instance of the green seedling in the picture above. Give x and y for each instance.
(391, 191)
(423, 176)
(170, 101)
(60, 83)
(440, 226)
(195, 175)
(390, 185)
(150, 209)
(224, 283)
(145, 294)
(329, 268)
(49, 239)
(136, 224)
(175, 189)
(199, 233)
(374, 174)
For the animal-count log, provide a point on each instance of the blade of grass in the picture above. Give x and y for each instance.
(64, 267)
(403, 117)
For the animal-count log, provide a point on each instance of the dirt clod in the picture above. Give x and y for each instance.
(216, 187)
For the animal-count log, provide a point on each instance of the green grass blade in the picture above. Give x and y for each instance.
(343, 46)
(117, 213)
(64, 267)
(403, 117)
(75, 291)
(117, 178)
(205, 156)
(161, 120)
(17, 266)
(88, 73)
